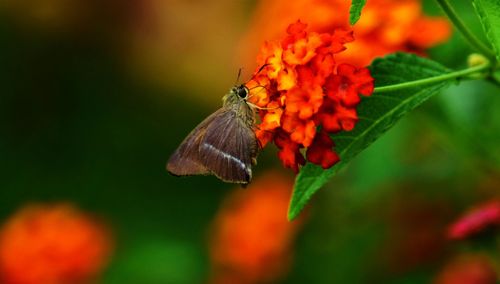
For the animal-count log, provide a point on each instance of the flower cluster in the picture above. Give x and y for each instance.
(475, 221)
(300, 88)
(251, 240)
(404, 26)
(52, 244)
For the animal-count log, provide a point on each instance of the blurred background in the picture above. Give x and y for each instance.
(95, 96)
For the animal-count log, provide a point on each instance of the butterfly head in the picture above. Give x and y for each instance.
(241, 91)
(237, 95)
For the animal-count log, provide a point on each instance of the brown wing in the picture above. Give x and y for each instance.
(228, 148)
(186, 159)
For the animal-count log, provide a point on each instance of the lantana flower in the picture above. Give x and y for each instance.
(404, 27)
(52, 243)
(251, 241)
(304, 94)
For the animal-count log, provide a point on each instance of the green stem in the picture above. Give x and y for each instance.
(452, 75)
(462, 28)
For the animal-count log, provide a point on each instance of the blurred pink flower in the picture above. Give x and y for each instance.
(476, 220)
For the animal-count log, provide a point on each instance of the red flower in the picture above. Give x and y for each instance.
(476, 220)
(335, 117)
(348, 83)
(54, 244)
(321, 152)
(305, 89)
(289, 151)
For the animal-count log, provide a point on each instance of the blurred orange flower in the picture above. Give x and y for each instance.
(252, 240)
(300, 87)
(468, 269)
(385, 26)
(476, 220)
(52, 244)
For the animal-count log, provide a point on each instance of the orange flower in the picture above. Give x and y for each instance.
(54, 244)
(302, 88)
(468, 269)
(385, 26)
(251, 237)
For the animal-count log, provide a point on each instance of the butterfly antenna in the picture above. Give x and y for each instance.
(262, 67)
(238, 77)
(258, 71)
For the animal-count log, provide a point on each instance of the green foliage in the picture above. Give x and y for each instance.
(489, 15)
(355, 11)
(377, 114)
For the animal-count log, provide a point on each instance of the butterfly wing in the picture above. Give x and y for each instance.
(229, 147)
(186, 159)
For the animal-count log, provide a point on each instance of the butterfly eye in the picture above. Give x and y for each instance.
(242, 91)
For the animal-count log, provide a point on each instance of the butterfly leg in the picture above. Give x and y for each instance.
(262, 108)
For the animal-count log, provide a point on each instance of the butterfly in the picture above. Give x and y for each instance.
(224, 144)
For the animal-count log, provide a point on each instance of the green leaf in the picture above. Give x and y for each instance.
(355, 12)
(496, 76)
(376, 114)
(489, 15)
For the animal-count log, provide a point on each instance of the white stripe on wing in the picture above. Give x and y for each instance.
(228, 156)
